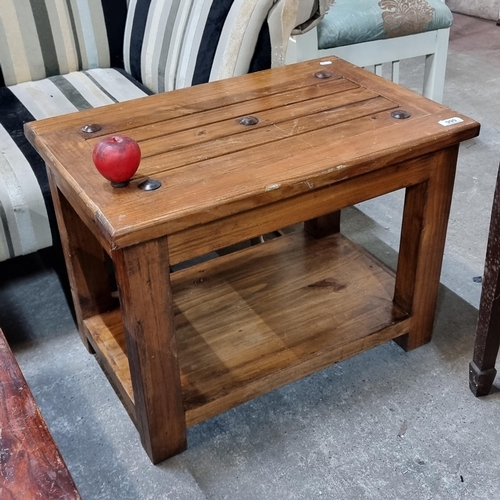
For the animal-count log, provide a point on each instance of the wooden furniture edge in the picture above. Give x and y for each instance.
(31, 465)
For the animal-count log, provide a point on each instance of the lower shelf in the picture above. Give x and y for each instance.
(251, 321)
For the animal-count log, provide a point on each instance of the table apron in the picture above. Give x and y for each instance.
(204, 238)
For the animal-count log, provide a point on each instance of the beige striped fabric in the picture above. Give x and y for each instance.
(73, 37)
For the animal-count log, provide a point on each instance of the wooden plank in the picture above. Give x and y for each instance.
(206, 120)
(301, 368)
(229, 140)
(258, 311)
(31, 465)
(182, 102)
(112, 356)
(203, 142)
(205, 238)
(247, 321)
(142, 273)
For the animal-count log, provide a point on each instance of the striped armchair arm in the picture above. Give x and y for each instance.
(292, 17)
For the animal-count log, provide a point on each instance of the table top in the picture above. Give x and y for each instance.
(313, 130)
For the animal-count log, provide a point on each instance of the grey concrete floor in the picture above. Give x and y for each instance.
(383, 425)
(473, 88)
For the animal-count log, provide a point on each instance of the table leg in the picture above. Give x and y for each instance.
(142, 273)
(323, 226)
(423, 234)
(88, 274)
(482, 370)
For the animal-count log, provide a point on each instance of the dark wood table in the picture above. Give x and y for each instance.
(31, 465)
(184, 345)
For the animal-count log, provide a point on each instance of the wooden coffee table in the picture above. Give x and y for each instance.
(184, 345)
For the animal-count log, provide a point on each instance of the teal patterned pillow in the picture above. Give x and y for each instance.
(354, 21)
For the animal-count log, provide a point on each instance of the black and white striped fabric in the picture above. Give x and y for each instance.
(39, 41)
(41, 38)
(26, 213)
(178, 43)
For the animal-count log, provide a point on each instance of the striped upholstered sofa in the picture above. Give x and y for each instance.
(62, 56)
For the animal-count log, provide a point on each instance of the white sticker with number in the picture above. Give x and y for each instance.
(450, 121)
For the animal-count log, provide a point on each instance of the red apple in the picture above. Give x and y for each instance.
(117, 158)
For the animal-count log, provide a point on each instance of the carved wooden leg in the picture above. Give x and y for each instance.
(143, 278)
(482, 370)
(88, 275)
(423, 234)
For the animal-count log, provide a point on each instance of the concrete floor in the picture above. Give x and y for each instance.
(473, 88)
(383, 425)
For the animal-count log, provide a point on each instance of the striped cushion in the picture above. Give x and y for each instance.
(41, 38)
(171, 44)
(23, 217)
(26, 211)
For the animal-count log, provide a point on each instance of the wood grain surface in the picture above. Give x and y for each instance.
(311, 132)
(31, 466)
(184, 346)
(252, 321)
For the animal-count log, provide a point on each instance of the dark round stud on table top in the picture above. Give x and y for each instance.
(400, 114)
(323, 74)
(149, 185)
(90, 128)
(248, 120)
